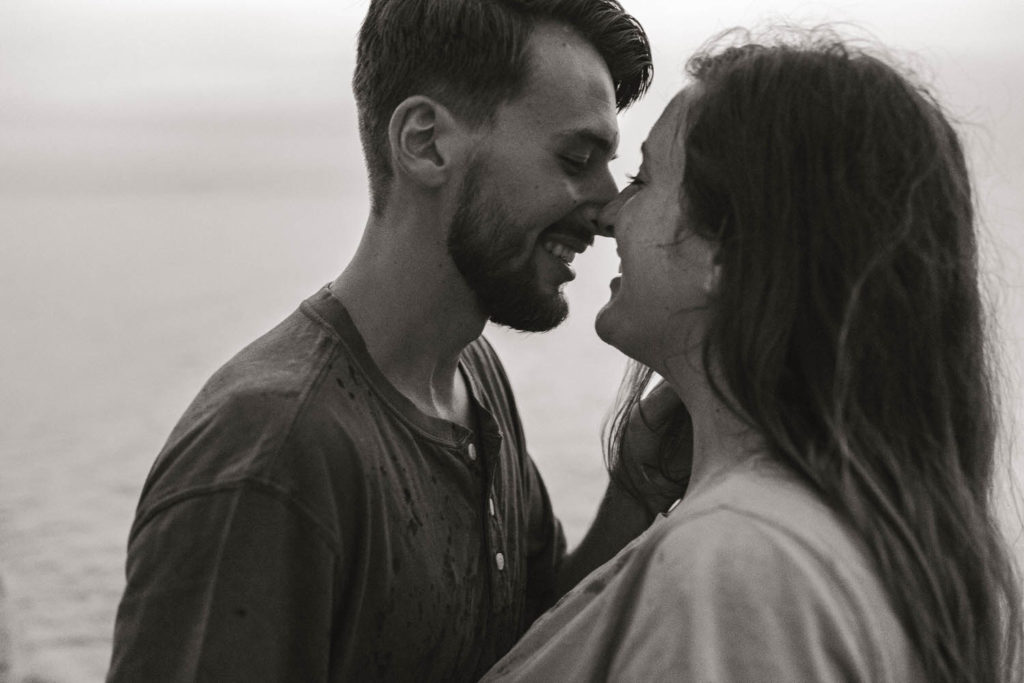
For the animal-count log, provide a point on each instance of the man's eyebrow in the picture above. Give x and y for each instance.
(603, 143)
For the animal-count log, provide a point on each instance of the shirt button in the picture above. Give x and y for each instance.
(471, 452)
(490, 502)
(499, 560)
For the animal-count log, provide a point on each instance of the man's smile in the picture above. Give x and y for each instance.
(565, 253)
(565, 241)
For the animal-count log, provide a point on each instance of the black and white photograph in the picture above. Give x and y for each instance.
(511, 340)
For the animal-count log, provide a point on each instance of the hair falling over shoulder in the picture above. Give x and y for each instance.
(849, 325)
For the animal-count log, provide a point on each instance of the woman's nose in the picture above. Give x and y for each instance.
(606, 217)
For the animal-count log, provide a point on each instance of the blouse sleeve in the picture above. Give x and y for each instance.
(726, 598)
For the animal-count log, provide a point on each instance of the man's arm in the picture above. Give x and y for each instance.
(623, 515)
(229, 585)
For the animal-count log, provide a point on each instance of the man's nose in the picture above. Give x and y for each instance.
(604, 193)
(606, 189)
(605, 221)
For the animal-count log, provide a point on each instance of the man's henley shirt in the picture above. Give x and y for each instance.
(306, 522)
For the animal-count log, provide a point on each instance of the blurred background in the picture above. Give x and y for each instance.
(176, 175)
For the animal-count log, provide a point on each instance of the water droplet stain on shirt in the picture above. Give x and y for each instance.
(341, 384)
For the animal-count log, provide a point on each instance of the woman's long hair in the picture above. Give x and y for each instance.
(848, 324)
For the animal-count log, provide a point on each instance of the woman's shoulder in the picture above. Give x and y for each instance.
(750, 579)
(758, 518)
(758, 555)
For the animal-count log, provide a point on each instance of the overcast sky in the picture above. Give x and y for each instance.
(96, 49)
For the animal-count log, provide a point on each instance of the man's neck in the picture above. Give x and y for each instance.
(415, 314)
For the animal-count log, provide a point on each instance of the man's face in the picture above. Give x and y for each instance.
(530, 199)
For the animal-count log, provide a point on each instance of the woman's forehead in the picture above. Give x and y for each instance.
(668, 136)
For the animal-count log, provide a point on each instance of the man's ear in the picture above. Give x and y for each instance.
(425, 140)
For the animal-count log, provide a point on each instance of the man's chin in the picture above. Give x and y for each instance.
(531, 316)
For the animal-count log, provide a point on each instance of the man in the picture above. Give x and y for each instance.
(350, 498)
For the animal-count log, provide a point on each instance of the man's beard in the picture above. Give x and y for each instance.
(485, 244)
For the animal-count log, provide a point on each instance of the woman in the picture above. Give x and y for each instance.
(799, 263)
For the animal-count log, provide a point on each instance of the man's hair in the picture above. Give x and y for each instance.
(848, 325)
(470, 55)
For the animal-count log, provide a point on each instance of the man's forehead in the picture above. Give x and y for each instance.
(569, 91)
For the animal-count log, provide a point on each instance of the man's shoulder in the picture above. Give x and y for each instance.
(242, 421)
(280, 361)
(263, 387)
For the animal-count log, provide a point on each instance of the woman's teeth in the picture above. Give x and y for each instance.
(560, 250)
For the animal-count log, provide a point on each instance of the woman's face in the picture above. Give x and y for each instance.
(658, 306)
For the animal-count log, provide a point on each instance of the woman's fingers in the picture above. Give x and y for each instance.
(657, 408)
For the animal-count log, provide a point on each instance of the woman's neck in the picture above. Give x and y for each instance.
(721, 439)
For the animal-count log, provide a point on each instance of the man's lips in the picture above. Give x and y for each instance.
(577, 243)
(565, 241)
(570, 233)
(559, 251)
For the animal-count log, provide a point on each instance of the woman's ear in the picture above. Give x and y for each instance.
(423, 136)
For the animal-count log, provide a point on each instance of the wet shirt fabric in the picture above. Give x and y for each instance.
(751, 578)
(305, 522)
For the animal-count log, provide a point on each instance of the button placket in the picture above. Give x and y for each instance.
(490, 452)
(500, 569)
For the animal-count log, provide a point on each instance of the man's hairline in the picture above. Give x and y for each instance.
(590, 133)
(487, 122)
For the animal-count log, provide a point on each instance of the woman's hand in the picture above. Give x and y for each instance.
(657, 451)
